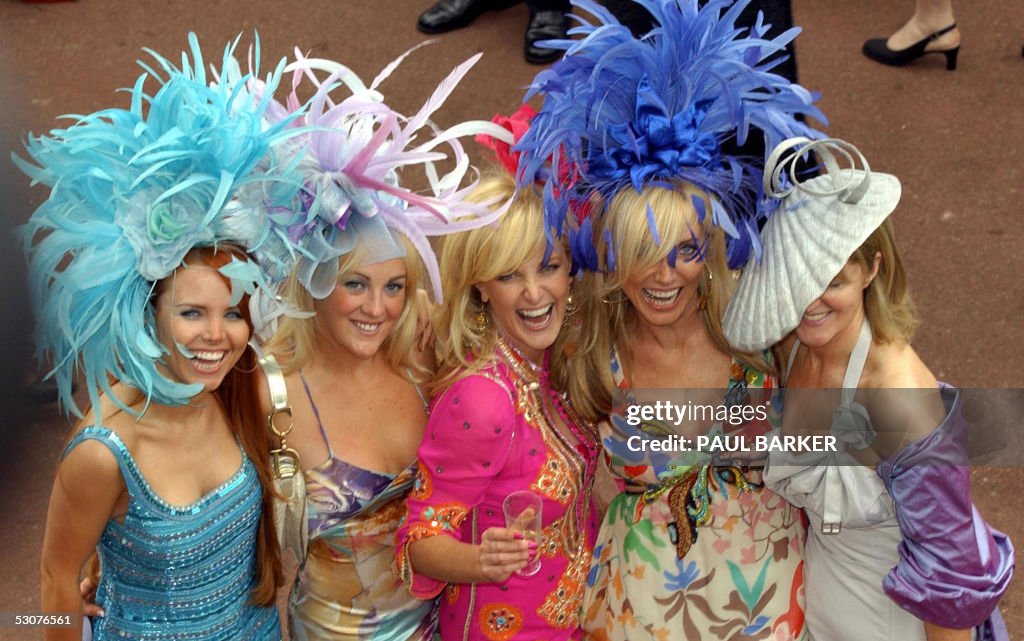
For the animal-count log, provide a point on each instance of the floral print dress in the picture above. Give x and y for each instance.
(695, 548)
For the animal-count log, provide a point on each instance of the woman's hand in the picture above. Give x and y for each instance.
(502, 552)
(87, 588)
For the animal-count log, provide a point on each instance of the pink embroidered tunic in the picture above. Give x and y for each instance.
(491, 433)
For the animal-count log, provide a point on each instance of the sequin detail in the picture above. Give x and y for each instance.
(500, 621)
(180, 572)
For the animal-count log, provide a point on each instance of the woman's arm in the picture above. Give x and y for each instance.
(466, 443)
(84, 495)
(953, 567)
(500, 553)
(937, 633)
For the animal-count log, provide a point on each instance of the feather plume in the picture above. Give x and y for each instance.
(625, 112)
(131, 192)
(345, 176)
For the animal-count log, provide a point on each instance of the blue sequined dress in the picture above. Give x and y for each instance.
(172, 572)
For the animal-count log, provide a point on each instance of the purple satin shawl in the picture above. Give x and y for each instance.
(953, 567)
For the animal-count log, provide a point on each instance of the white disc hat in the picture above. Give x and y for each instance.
(808, 240)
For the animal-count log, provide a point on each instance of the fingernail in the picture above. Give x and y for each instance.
(531, 545)
(519, 536)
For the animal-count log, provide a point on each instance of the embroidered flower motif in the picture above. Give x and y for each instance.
(500, 621)
(444, 518)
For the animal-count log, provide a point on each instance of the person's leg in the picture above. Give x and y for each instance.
(930, 16)
(547, 21)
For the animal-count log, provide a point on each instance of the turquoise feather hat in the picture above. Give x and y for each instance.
(131, 192)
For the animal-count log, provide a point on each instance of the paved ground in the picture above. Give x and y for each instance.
(955, 139)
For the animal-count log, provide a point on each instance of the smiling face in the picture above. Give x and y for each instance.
(665, 293)
(663, 248)
(363, 309)
(528, 304)
(203, 332)
(837, 314)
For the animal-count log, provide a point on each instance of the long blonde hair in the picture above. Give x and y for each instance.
(294, 341)
(469, 258)
(887, 301)
(629, 247)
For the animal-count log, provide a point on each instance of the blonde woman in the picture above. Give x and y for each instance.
(895, 548)
(352, 239)
(693, 543)
(352, 372)
(647, 131)
(502, 423)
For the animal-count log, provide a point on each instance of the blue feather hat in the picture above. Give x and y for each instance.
(132, 191)
(621, 112)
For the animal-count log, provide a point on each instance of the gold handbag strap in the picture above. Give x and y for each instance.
(284, 460)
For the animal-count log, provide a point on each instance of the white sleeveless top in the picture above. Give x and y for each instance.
(853, 534)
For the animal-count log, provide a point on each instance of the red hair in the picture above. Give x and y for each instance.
(239, 397)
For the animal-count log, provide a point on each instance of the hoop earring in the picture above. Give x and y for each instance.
(702, 302)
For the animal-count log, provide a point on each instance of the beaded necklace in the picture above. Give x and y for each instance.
(578, 451)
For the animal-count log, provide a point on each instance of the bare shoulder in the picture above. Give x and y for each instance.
(91, 468)
(905, 403)
(896, 365)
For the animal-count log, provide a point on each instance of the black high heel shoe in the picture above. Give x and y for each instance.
(877, 50)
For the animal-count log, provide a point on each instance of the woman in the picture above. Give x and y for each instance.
(500, 424)
(138, 277)
(895, 548)
(171, 531)
(357, 452)
(694, 547)
(349, 362)
(694, 543)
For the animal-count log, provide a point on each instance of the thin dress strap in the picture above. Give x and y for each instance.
(316, 412)
(835, 491)
(423, 398)
(789, 363)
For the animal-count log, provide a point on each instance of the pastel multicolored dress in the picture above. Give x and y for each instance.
(695, 548)
(347, 587)
(492, 433)
(170, 572)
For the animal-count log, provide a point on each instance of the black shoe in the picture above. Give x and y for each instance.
(449, 15)
(545, 25)
(879, 51)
